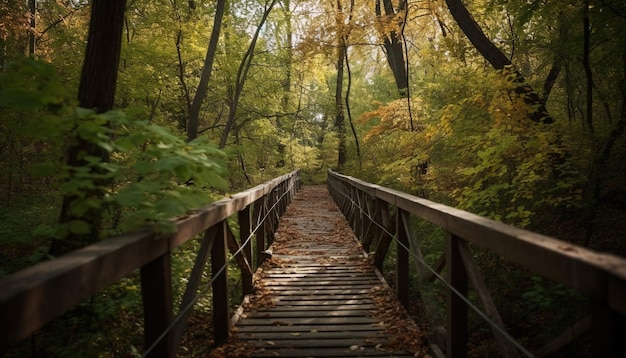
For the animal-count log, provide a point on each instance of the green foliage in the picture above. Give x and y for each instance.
(152, 174)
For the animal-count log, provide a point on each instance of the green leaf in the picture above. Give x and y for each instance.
(143, 167)
(106, 146)
(129, 197)
(21, 99)
(84, 113)
(169, 207)
(80, 206)
(169, 164)
(79, 227)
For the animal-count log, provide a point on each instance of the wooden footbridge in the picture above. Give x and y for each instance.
(313, 277)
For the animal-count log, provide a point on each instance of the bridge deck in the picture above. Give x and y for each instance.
(318, 296)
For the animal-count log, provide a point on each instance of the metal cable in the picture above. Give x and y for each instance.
(219, 272)
(494, 325)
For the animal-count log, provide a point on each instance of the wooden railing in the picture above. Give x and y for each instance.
(31, 298)
(380, 215)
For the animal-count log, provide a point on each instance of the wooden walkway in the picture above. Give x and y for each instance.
(318, 296)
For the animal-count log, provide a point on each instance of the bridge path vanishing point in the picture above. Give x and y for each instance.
(319, 296)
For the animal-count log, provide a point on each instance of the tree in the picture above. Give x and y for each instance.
(205, 76)
(96, 91)
(536, 108)
(391, 27)
(242, 75)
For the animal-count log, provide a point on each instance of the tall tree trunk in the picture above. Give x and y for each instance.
(205, 76)
(348, 111)
(96, 90)
(32, 5)
(393, 45)
(183, 122)
(289, 56)
(557, 63)
(242, 75)
(537, 111)
(340, 122)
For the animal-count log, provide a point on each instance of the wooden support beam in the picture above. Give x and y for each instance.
(437, 267)
(565, 338)
(194, 282)
(240, 258)
(156, 292)
(259, 213)
(385, 239)
(473, 272)
(457, 309)
(219, 269)
(608, 332)
(402, 260)
(243, 217)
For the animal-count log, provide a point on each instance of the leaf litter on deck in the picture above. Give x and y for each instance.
(313, 229)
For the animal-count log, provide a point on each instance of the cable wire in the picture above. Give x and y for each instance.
(494, 325)
(195, 299)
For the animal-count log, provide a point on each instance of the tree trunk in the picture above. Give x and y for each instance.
(289, 60)
(242, 75)
(32, 4)
(348, 111)
(393, 45)
(205, 76)
(537, 111)
(96, 91)
(340, 122)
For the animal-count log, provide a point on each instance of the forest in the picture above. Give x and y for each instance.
(115, 114)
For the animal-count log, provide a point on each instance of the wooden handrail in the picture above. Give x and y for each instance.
(600, 276)
(32, 297)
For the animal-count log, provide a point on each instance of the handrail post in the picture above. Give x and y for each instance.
(259, 213)
(457, 309)
(219, 270)
(243, 216)
(156, 292)
(402, 260)
(608, 332)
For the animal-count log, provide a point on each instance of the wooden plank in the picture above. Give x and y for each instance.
(325, 307)
(314, 343)
(339, 277)
(321, 297)
(286, 291)
(309, 335)
(330, 352)
(311, 313)
(320, 282)
(306, 321)
(308, 328)
(308, 302)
